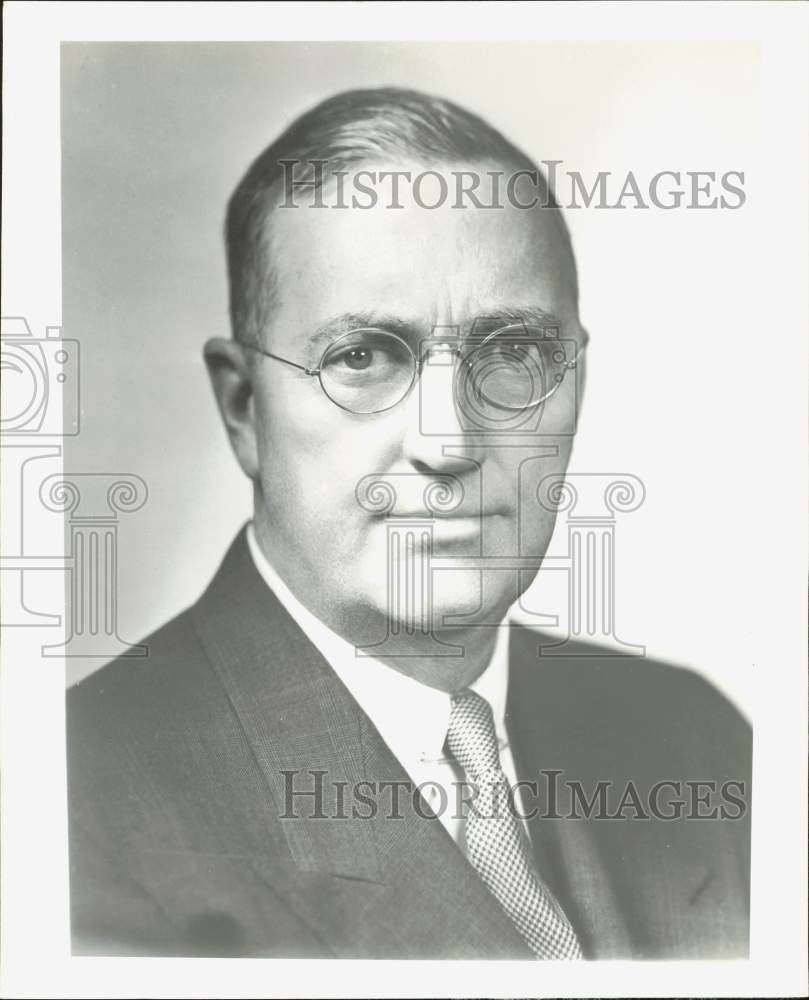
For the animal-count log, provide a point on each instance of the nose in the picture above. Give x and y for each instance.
(432, 419)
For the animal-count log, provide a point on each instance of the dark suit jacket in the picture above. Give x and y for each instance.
(176, 791)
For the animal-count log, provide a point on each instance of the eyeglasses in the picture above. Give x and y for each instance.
(513, 369)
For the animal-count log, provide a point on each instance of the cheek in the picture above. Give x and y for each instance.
(293, 420)
(536, 521)
(313, 454)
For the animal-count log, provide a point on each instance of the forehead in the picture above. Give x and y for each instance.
(445, 265)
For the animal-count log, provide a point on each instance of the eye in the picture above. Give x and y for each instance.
(358, 358)
(373, 354)
(367, 371)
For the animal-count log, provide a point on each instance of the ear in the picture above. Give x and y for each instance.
(232, 382)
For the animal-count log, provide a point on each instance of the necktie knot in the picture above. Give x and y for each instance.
(471, 736)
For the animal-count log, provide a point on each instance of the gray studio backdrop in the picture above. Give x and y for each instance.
(154, 138)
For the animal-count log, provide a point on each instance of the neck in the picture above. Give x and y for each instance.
(473, 653)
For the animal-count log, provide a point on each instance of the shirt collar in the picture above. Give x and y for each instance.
(381, 691)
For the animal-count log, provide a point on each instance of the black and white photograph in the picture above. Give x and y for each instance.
(404, 517)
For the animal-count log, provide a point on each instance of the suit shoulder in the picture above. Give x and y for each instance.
(151, 686)
(589, 666)
(650, 701)
(133, 727)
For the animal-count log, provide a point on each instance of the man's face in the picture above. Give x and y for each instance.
(420, 270)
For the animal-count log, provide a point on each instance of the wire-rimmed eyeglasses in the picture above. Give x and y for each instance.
(372, 370)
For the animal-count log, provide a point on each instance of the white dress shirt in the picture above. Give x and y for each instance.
(392, 701)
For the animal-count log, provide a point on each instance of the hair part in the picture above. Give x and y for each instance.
(353, 127)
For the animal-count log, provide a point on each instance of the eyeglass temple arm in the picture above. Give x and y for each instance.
(286, 361)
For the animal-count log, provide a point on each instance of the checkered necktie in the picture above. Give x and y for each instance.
(496, 841)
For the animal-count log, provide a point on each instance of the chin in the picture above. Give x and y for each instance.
(454, 593)
(458, 594)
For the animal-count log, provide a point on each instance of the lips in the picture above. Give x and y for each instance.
(453, 515)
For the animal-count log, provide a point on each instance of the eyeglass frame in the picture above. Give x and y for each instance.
(418, 365)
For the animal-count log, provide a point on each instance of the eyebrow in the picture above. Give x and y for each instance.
(516, 315)
(346, 322)
(409, 328)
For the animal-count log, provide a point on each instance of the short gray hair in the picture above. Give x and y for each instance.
(352, 127)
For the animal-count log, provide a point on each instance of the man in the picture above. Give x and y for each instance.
(337, 752)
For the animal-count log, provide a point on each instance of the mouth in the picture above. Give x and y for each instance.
(450, 528)
(452, 515)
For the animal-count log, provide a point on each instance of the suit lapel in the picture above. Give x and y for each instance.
(300, 719)
(569, 859)
(569, 854)
(613, 879)
(295, 717)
